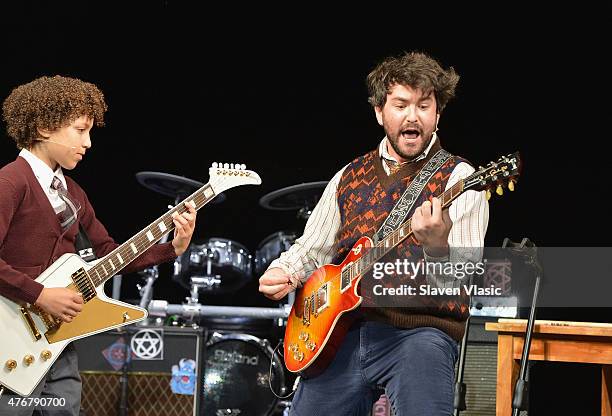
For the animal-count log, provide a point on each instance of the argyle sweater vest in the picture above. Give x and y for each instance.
(366, 195)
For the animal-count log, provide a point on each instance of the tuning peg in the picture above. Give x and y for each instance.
(499, 191)
(226, 166)
(511, 185)
(231, 166)
(214, 165)
(488, 194)
(243, 166)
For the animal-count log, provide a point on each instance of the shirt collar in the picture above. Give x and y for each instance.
(384, 153)
(42, 171)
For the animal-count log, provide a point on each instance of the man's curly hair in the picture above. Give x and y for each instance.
(50, 103)
(415, 69)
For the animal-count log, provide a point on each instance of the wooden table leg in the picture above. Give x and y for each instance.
(507, 373)
(606, 390)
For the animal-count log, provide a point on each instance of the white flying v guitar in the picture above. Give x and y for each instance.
(33, 340)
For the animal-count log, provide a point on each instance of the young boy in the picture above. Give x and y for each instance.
(50, 120)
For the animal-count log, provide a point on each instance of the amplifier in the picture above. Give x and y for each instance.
(480, 372)
(163, 371)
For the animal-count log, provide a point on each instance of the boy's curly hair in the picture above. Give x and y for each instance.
(50, 103)
(415, 69)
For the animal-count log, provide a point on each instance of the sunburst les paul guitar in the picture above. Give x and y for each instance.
(32, 339)
(314, 327)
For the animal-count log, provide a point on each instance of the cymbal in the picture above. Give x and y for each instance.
(300, 196)
(177, 187)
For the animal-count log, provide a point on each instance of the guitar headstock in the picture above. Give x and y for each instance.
(504, 171)
(228, 175)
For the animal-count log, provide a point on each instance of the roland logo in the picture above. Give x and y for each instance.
(235, 357)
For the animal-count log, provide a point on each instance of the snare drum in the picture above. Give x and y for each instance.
(271, 248)
(237, 376)
(218, 265)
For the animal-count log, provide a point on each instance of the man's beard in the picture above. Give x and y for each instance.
(395, 145)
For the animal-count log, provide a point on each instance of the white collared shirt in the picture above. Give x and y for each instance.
(45, 175)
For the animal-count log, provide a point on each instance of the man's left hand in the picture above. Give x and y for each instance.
(184, 225)
(431, 226)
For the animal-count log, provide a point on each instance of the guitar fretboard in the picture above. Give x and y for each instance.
(138, 244)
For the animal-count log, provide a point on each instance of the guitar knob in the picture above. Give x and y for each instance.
(298, 356)
(499, 191)
(45, 355)
(511, 185)
(11, 365)
(28, 359)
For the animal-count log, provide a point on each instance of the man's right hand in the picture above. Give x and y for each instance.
(60, 302)
(275, 283)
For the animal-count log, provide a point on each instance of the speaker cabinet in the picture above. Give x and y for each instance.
(163, 372)
(480, 372)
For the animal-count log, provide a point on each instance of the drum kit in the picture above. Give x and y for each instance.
(243, 374)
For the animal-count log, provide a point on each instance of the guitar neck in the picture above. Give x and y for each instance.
(384, 246)
(138, 244)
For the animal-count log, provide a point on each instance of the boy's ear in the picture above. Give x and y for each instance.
(43, 132)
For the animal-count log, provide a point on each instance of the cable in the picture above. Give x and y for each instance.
(295, 384)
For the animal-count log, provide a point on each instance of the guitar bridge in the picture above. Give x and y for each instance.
(30, 323)
(306, 311)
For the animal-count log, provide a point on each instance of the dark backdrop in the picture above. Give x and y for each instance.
(283, 91)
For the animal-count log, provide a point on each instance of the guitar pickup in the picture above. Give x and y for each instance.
(322, 298)
(30, 323)
(345, 277)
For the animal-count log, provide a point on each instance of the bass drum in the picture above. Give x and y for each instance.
(237, 376)
(271, 248)
(218, 266)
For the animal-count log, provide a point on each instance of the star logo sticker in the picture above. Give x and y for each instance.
(148, 345)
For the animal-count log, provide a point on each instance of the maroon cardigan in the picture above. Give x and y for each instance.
(31, 238)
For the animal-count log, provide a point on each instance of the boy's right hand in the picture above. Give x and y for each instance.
(60, 302)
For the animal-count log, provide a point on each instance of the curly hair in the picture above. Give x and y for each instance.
(50, 103)
(415, 69)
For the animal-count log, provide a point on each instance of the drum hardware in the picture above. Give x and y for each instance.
(162, 309)
(146, 292)
(208, 282)
(216, 266)
(302, 197)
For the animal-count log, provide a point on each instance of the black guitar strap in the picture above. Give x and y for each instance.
(83, 246)
(405, 204)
